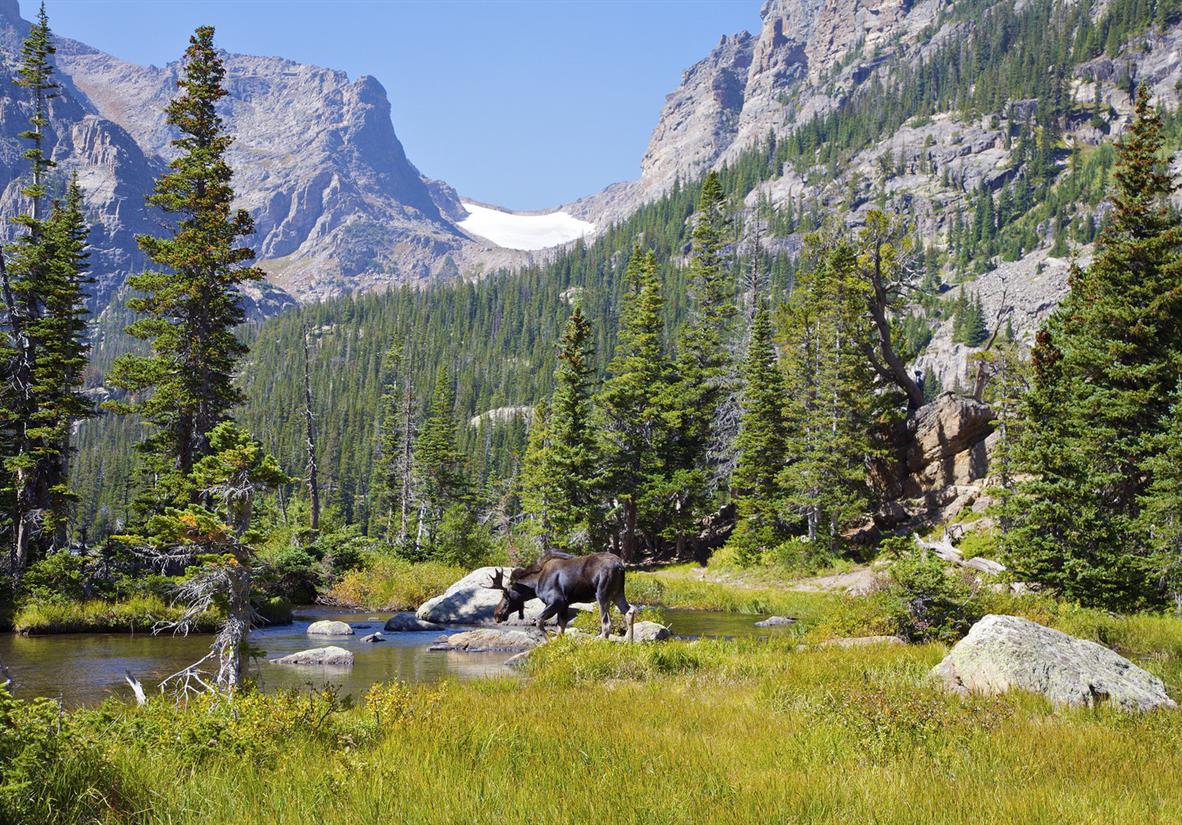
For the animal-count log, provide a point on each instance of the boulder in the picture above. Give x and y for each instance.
(407, 623)
(329, 628)
(1003, 653)
(335, 656)
(776, 621)
(491, 640)
(470, 601)
(646, 632)
(861, 641)
(372, 637)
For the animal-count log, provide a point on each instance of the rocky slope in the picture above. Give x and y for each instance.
(337, 204)
(811, 57)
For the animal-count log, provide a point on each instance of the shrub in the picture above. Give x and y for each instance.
(939, 605)
(391, 583)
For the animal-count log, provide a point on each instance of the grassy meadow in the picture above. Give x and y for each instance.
(740, 731)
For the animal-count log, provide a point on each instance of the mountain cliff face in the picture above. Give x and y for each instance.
(338, 206)
(813, 58)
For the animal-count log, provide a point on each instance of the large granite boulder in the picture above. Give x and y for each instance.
(470, 601)
(335, 656)
(492, 640)
(1003, 653)
(329, 628)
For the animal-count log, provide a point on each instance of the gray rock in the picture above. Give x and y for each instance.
(332, 656)
(408, 622)
(491, 639)
(1004, 653)
(329, 628)
(469, 601)
(646, 632)
(776, 621)
(861, 641)
(372, 638)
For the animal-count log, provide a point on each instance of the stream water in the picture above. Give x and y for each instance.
(86, 668)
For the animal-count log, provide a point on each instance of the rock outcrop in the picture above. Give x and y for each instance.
(322, 656)
(409, 623)
(329, 628)
(1004, 653)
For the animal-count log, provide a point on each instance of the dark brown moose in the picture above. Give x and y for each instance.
(560, 580)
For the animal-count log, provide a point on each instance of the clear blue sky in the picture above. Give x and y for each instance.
(523, 104)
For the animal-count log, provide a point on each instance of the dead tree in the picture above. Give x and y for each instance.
(310, 439)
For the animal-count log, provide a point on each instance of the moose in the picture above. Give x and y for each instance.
(560, 580)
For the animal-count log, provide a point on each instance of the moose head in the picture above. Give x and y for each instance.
(513, 597)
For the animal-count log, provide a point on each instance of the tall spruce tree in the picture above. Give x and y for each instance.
(191, 306)
(755, 484)
(1104, 367)
(631, 409)
(706, 362)
(44, 281)
(441, 473)
(560, 470)
(386, 483)
(832, 407)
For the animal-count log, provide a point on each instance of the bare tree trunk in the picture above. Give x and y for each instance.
(22, 381)
(310, 439)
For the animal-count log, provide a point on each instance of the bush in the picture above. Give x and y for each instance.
(391, 583)
(58, 577)
(939, 605)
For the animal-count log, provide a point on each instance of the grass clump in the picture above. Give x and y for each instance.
(391, 583)
(133, 615)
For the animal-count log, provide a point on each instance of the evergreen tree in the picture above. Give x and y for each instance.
(1160, 519)
(561, 454)
(1105, 365)
(43, 286)
(388, 485)
(441, 478)
(832, 404)
(633, 425)
(755, 484)
(705, 364)
(190, 307)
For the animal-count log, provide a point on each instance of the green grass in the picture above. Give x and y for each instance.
(137, 614)
(682, 732)
(393, 584)
(673, 588)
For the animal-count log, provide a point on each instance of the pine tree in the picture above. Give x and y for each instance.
(561, 454)
(633, 425)
(705, 363)
(441, 478)
(755, 484)
(1104, 367)
(386, 483)
(43, 285)
(832, 404)
(1160, 519)
(190, 307)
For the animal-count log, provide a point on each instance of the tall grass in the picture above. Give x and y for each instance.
(685, 732)
(661, 590)
(136, 614)
(393, 584)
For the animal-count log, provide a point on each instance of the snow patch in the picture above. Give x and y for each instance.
(515, 231)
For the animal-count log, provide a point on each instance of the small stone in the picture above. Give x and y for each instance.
(372, 637)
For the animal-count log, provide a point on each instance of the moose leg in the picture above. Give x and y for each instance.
(629, 617)
(605, 619)
(551, 609)
(563, 617)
